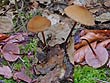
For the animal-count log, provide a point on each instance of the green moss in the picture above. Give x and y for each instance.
(87, 74)
(17, 66)
(31, 47)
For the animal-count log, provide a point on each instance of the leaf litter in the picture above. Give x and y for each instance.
(50, 64)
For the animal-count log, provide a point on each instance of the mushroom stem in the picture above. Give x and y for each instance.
(63, 45)
(90, 46)
(70, 32)
(43, 38)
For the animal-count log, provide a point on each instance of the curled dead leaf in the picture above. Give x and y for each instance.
(3, 37)
(22, 76)
(6, 24)
(9, 52)
(79, 55)
(104, 43)
(97, 60)
(91, 37)
(6, 71)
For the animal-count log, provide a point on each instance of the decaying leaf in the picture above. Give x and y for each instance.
(79, 55)
(58, 33)
(90, 37)
(6, 24)
(52, 76)
(3, 37)
(10, 52)
(97, 60)
(104, 43)
(6, 72)
(55, 57)
(44, 1)
(22, 76)
(70, 50)
(54, 18)
(107, 3)
(103, 17)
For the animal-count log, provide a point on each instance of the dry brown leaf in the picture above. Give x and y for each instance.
(70, 50)
(102, 32)
(9, 52)
(107, 3)
(22, 76)
(55, 57)
(79, 55)
(34, 5)
(91, 37)
(58, 33)
(104, 43)
(103, 17)
(50, 77)
(6, 71)
(6, 24)
(3, 37)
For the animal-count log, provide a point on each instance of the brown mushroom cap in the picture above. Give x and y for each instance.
(80, 14)
(99, 60)
(38, 24)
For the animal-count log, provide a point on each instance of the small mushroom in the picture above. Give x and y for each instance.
(79, 14)
(98, 59)
(39, 24)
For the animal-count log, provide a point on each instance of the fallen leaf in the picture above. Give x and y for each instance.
(79, 55)
(107, 3)
(9, 52)
(34, 4)
(54, 18)
(70, 50)
(91, 37)
(6, 24)
(55, 57)
(97, 60)
(103, 17)
(3, 37)
(22, 76)
(50, 77)
(6, 71)
(104, 43)
(58, 33)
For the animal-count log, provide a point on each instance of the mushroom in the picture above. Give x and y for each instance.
(79, 14)
(39, 24)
